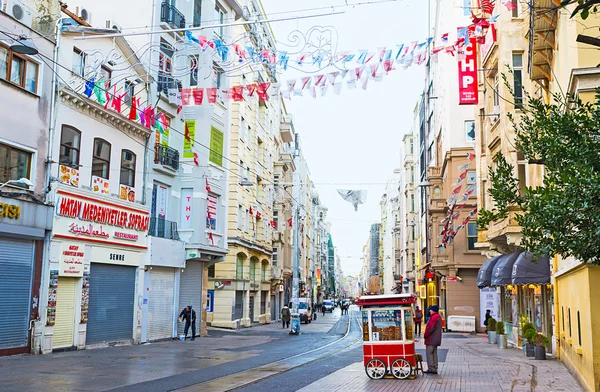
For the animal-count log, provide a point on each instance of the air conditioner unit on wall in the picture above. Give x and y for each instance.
(20, 12)
(84, 14)
(111, 24)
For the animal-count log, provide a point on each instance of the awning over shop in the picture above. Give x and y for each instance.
(502, 274)
(484, 278)
(526, 271)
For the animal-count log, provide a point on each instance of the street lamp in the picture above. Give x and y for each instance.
(23, 181)
(23, 46)
(246, 182)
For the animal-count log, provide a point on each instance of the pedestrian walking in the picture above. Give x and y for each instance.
(418, 319)
(488, 316)
(433, 339)
(323, 309)
(189, 316)
(285, 316)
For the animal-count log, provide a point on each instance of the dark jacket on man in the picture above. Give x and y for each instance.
(188, 315)
(433, 331)
(285, 313)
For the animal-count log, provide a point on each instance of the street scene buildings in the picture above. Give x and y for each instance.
(163, 178)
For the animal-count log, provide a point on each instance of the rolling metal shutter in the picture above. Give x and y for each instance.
(160, 303)
(65, 312)
(16, 266)
(112, 294)
(190, 292)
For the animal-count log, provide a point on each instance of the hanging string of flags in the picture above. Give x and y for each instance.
(242, 51)
(456, 205)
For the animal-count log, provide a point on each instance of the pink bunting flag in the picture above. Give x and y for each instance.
(211, 95)
(358, 72)
(261, 90)
(470, 156)
(305, 82)
(291, 85)
(319, 80)
(186, 96)
(251, 88)
(197, 96)
(237, 93)
(374, 68)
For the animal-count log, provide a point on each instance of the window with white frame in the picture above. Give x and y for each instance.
(470, 131)
(276, 219)
(472, 177)
(517, 64)
(471, 236)
(221, 20)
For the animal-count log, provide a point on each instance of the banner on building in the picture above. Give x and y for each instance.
(216, 146)
(188, 140)
(467, 70)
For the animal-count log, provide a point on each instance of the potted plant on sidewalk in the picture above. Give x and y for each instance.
(491, 330)
(541, 342)
(501, 335)
(529, 333)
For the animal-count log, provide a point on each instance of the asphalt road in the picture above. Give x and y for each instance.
(172, 365)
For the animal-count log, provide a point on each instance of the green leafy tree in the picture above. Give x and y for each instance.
(562, 216)
(584, 7)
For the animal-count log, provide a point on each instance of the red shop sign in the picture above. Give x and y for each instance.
(467, 72)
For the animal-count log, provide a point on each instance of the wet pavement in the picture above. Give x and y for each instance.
(166, 365)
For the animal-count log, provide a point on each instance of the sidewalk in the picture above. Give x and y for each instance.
(471, 364)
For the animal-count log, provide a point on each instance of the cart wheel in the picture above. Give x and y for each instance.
(375, 369)
(401, 368)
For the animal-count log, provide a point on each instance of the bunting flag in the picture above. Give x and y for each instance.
(237, 93)
(133, 109)
(261, 91)
(289, 222)
(89, 87)
(251, 88)
(487, 6)
(186, 133)
(196, 159)
(116, 101)
(470, 156)
(99, 91)
(107, 94)
(211, 95)
(509, 4)
(464, 167)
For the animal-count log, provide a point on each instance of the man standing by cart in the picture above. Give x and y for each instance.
(433, 339)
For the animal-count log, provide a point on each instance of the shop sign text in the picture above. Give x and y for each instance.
(71, 260)
(10, 211)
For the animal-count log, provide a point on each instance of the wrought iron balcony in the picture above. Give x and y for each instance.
(166, 156)
(171, 15)
(162, 228)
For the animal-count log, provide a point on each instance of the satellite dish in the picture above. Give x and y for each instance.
(219, 285)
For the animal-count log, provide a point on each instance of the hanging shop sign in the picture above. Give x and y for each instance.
(467, 69)
(71, 262)
(91, 219)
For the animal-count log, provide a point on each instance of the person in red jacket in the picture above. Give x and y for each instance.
(433, 339)
(418, 319)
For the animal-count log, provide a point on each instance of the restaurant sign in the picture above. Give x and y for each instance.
(71, 262)
(92, 219)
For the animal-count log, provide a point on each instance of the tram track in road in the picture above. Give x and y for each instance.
(255, 375)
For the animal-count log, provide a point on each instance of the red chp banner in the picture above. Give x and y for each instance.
(467, 72)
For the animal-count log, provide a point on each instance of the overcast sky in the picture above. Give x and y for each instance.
(353, 140)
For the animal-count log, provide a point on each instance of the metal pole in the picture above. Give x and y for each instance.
(295, 265)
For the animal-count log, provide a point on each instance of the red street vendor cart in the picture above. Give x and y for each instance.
(388, 335)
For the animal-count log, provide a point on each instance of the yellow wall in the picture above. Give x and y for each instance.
(575, 291)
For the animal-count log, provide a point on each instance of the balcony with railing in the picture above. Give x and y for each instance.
(162, 228)
(171, 15)
(166, 157)
(286, 129)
